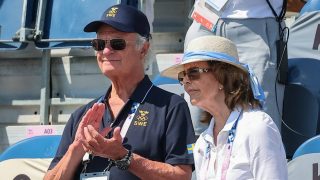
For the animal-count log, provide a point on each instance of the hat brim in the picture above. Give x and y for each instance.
(173, 71)
(95, 25)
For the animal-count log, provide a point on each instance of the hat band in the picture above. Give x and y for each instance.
(208, 55)
(254, 83)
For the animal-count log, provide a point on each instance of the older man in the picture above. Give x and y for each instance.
(134, 131)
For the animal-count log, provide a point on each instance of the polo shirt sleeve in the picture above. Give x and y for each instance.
(180, 136)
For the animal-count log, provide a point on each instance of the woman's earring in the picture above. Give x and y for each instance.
(220, 88)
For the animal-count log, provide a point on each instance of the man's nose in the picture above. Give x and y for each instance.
(107, 49)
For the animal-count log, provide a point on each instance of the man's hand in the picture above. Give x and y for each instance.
(93, 117)
(100, 146)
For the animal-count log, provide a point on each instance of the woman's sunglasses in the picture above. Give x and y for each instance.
(192, 73)
(115, 44)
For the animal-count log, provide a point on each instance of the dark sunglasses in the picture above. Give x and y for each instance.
(192, 73)
(115, 44)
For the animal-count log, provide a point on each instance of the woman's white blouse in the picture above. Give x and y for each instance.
(257, 151)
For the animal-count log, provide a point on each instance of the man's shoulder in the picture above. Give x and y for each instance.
(165, 95)
(166, 92)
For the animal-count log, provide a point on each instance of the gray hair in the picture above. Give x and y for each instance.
(149, 55)
(140, 41)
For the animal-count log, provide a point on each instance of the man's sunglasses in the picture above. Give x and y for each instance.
(115, 44)
(192, 73)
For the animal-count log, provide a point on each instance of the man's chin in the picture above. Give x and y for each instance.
(193, 101)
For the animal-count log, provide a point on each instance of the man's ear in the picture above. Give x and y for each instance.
(145, 48)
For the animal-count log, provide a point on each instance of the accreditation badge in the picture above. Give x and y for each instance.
(218, 5)
(95, 176)
(207, 12)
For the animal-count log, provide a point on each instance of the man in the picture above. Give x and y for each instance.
(134, 131)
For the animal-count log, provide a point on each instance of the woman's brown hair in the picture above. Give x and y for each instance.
(236, 86)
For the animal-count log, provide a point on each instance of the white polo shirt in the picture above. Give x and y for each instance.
(257, 151)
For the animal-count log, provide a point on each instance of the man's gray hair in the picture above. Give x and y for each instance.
(149, 55)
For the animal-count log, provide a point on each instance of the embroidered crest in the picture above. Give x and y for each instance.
(142, 118)
(112, 12)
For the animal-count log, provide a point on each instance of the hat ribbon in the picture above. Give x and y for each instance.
(254, 83)
(208, 55)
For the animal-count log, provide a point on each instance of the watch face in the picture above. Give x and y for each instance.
(124, 163)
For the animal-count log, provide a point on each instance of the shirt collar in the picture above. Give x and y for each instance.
(208, 134)
(232, 119)
(140, 92)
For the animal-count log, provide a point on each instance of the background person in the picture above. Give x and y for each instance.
(242, 141)
(254, 29)
(129, 132)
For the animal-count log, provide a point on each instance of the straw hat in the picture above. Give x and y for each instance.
(215, 48)
(206, 48)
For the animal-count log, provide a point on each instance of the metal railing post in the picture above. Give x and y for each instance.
(45, 87)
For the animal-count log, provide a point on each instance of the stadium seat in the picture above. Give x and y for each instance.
(305, 162)
(311, 5)
(165, 60)
(29, 158)
(300, 113)
(301, 103)
(312, 145)
(305, 72)
(168, 84)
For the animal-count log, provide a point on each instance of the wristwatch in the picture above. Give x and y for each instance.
(124, 163)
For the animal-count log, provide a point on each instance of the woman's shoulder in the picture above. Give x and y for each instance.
(257, 116)
(258, 121)
(258, 129)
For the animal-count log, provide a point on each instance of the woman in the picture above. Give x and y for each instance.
(241, 142)
(253, 28)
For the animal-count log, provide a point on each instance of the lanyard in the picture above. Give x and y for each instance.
(231, 136)
(123, 132)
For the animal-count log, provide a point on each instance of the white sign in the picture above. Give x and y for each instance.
(305, 167)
